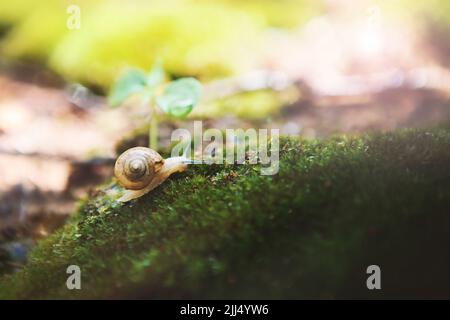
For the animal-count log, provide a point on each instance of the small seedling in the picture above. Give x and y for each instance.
(176, 99)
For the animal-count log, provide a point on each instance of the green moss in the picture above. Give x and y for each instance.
(335, 207)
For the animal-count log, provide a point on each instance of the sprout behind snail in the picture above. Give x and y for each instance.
(140, 170)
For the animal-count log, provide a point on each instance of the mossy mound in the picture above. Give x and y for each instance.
(335, 207)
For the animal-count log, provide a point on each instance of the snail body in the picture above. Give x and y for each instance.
(139, 170)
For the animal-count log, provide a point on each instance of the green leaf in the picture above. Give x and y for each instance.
(130, 82)
(180, 97)
(156, 75)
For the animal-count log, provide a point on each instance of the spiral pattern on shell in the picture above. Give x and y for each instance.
(136, 167)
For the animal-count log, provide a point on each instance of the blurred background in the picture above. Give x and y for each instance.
(310, 68)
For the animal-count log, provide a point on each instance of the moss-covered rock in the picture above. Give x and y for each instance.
(335, 207)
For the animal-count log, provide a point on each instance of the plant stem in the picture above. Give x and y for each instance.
(153, 132)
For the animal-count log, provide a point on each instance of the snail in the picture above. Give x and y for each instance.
(140, 170)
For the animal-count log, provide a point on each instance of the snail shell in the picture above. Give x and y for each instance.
(136, 167)
(140, 170)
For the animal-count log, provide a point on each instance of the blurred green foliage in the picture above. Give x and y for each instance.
(417, 11)
(254, 105)
(200, 38)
